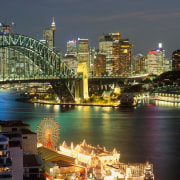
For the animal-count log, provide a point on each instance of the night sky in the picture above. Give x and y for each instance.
(145, 23)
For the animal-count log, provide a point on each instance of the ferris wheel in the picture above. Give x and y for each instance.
(48, 132)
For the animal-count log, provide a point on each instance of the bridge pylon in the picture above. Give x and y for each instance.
(81, 87)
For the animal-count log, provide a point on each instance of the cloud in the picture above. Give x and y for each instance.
(157, 16)
(141, 15)
(79, 18)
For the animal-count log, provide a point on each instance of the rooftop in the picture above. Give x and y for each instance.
(12, 123)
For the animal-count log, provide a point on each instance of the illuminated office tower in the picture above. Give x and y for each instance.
(139, 65)
(92, 52)
(100, 65)
(124, 64)
(156, 61)
(48, 35)
(117, 52)
(176, 60)
(106, 48)
(71, 48)
(70, 58)
(83, 51)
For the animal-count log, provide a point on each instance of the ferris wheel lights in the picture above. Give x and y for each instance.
(48, 133)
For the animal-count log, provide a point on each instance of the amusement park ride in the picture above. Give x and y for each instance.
(48, 133)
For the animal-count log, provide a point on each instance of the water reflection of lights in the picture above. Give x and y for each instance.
(167, 104)
(47, 106)
(107, 109)
(97, 108)
(79, 108)
(105, 115)
(56, 108)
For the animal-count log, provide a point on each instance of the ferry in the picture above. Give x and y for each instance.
(127, 99)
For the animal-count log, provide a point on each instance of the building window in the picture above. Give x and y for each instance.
(14, 129)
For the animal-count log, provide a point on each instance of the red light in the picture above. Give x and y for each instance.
(152, 52)
(53, 55)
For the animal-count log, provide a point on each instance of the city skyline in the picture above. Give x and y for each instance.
(144, 23)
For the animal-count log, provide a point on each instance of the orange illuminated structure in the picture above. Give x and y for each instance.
(90, 155)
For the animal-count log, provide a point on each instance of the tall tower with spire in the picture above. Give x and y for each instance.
(48, 35)
(53, 28)
(53, 25)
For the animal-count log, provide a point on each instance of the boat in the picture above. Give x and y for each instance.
(127, 100)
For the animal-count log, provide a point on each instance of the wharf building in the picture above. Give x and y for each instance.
(176, 60)
(21, 147)
(118, 53)
(84, 160)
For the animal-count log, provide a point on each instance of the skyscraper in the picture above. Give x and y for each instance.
(100, 65)
(139, 64)
(71, 48)
(156, 60)
(106, 43)
(176, 60)
(124, 63)
(83, 51)
(117, 52)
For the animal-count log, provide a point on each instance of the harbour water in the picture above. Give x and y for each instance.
(148, 132)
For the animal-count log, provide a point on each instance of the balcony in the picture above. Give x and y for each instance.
(7, 175)
(5, 163)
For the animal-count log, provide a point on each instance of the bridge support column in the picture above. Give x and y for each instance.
(83, 83)
(77, 91)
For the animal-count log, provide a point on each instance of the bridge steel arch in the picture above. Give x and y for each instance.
(47, 61)
(22, 57)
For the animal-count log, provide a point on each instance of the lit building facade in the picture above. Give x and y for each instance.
(117, 52)
(139, 65)
(125, 57)
(83, 52)
(71, 48)
(156, 61)
(5, 159)
(90, 155)
(92, 53)
(100, 65)
(70, 57)
(22, 143)
(106, 48)
(72, 62)
(176, 60)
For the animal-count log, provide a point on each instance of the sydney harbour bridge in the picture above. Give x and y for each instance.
(24, 59)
